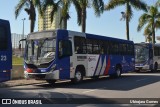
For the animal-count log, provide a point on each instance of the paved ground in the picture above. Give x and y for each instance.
(20, 82)
(130, 86)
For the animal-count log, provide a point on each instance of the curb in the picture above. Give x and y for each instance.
(14, 83)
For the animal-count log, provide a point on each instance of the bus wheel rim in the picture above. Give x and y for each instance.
(118, 72)
(78, 76)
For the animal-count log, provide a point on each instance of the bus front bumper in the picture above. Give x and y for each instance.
(145, 67)
(42, 76)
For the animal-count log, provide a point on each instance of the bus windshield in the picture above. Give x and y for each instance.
(40, 51)
(141, 53)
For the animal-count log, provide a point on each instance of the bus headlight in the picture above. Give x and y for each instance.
(53, 67)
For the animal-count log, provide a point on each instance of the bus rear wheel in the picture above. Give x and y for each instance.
(78, 77)
(117, 73)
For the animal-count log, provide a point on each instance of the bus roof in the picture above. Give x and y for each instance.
(143, 43)
(4, 21)
(94, 36)
(42, 34)
(52, 33)
(107, 38)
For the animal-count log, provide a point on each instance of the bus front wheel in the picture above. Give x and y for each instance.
(78, 77)
(52, 82)
(155, 66)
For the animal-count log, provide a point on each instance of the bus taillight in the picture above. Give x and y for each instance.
(6, 70)
(29, 70)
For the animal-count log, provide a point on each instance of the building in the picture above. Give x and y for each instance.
(16, 38)
(45, 23)
(15, 44)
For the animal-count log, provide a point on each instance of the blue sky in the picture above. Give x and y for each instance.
(108, 24)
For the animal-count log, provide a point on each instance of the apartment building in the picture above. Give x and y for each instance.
(45, 23)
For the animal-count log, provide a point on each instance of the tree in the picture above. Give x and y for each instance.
(81, 8)
(63, 5)
(151, 19)
(30, 6)
(137, 4)
(148, 34)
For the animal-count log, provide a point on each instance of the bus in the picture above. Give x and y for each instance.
(5, 51)
(62, 54)
(147, 57)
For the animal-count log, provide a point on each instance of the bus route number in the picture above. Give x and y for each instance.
(3, 58)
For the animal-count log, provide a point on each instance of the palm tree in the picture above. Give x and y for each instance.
(55, 6)
(158, 3)
(30, 9)
(151, 19)
(137, 4)
(65, 4)
(81, 8)
(148, 34)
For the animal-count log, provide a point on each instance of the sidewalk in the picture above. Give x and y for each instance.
(20, 82)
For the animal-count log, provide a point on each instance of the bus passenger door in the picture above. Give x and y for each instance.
(63, 62)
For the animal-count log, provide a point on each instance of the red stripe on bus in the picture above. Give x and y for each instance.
(107, 66)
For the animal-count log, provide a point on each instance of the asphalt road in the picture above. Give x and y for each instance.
(130, 86)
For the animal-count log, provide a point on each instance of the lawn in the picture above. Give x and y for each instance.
(17, 60)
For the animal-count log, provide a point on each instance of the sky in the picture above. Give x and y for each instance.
(108, 24)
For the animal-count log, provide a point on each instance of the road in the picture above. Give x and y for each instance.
(130, 85)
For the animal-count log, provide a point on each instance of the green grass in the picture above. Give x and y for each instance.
(17, 60)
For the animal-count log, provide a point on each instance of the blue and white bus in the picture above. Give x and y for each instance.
(62, 54)
(147, 56)
(5, 51)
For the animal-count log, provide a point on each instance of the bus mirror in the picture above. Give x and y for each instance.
(20, 43)
(19, 46)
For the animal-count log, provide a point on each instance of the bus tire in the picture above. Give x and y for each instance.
(155, 66)
(50, 81)
(117, 74)
(78, 77)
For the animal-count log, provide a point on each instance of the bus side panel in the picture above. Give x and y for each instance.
(125, 61)
(5, 75)
(63, 64)
(111, 62)
(6, 55)
(131, 61)
(5, 66)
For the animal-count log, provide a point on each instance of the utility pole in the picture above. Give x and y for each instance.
(22, 36)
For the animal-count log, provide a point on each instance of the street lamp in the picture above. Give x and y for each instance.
(123, 16)
(23, 34)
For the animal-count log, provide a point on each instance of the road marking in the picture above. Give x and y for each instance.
(88, 91)
(141, 79)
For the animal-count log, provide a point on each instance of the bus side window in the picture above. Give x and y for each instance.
(79, 50)
(65, 48)
(80, 45)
